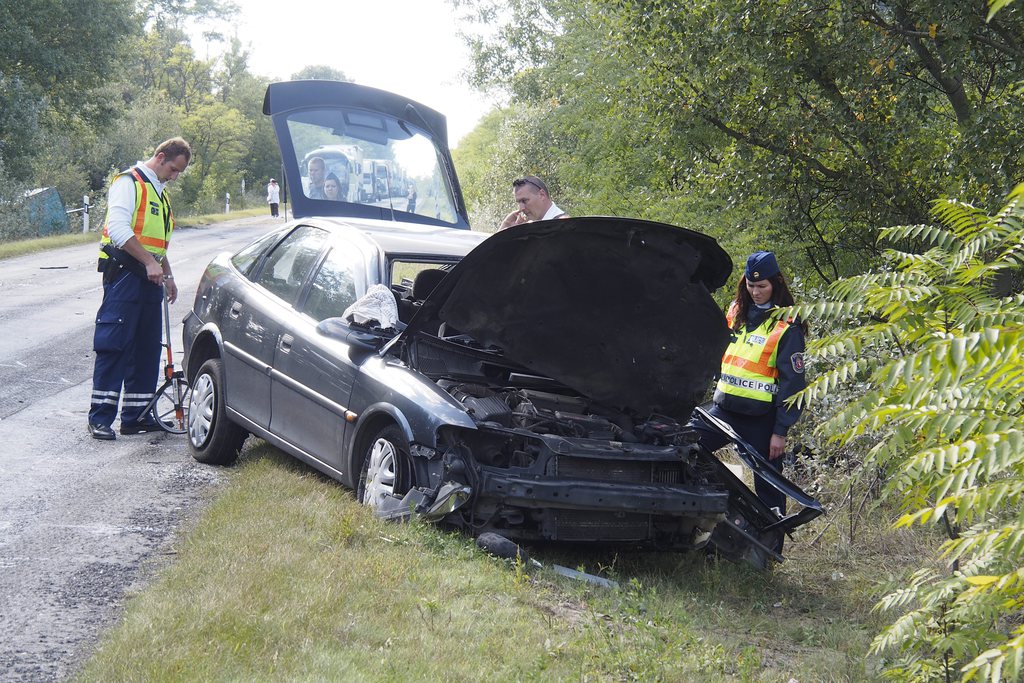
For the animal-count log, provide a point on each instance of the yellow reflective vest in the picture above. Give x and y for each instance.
(749, 368)
(153, 221)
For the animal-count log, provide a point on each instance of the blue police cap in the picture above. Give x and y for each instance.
(761, 265)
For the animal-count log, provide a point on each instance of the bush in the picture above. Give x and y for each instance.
(925, 354)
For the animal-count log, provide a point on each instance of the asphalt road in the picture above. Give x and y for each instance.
(83, 523)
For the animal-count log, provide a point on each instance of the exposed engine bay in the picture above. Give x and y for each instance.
(547, 462)
(497, 392)
(552, 465)
(545, 412)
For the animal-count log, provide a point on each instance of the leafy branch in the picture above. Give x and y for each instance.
(934, 351)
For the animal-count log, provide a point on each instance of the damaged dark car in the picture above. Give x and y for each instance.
(535, 383)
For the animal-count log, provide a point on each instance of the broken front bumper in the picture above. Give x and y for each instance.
(599, 496)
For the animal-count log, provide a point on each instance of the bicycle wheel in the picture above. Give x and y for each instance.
(170, 410)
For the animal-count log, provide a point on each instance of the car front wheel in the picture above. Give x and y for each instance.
(212, 437)
(387, 468)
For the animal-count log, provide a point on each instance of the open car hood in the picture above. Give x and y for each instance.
(390, 153)
(618, 309)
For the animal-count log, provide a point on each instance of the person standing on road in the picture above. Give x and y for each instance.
(410, 204)
(273, 197)
(531, 194)
(136, 277)
(762, 367)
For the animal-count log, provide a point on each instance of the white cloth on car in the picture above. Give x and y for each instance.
(378, 304)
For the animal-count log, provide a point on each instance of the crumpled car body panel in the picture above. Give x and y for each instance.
(619, 309)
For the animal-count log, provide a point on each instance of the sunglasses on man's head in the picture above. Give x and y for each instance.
(519, 182)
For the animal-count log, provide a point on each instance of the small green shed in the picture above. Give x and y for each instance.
(46, 212)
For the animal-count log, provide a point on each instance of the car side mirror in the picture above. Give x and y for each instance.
(357, 336)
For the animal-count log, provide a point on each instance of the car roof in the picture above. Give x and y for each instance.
(394, 238)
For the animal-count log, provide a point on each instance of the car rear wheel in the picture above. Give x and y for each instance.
(387, 467)
(212, 437)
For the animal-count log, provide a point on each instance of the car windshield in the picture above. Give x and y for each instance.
(349, 155)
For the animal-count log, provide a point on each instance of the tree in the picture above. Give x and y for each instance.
(20, 110)
(933, 342)
(244, 92)
(38, 46)
(46, 66)
(168, 64)
(474, 161)
(199, 95)
(174, 14)
(320, 72)
(143, 124)
(218, 135)
(812, 121)
(505, 145)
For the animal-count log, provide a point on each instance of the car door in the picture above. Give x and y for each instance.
(313, 374)
(258, 317)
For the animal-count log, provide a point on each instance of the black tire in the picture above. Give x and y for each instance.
(386, 468)
(166, 412)
(501, 547)
(212, 437)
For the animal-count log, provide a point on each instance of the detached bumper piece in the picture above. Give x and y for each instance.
(760, 466)
(753, 532)
(430, 505)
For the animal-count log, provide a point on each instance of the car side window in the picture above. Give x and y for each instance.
(245, 259)
(287, 267)
(335, 285)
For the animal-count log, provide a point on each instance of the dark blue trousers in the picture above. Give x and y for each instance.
(127, 346)
(755, 430)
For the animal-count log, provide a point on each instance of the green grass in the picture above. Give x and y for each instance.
(285, 577)
(210, 218)
(31, 246)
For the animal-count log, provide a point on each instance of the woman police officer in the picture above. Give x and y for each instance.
(762, 367)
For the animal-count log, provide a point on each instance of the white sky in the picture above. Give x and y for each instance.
(408, 47)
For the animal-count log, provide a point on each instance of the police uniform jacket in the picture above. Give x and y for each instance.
(152, 220)
(778, 378)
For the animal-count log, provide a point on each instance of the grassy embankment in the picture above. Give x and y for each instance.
(29, 246)
(285, 578)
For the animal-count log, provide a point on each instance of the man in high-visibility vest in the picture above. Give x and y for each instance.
(136, 276)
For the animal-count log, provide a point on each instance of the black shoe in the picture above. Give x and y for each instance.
(140, 427)
(101, 432)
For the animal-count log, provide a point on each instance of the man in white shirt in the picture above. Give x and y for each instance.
(136, 278)
(273, 196)
(531, 195)
(317, 176)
